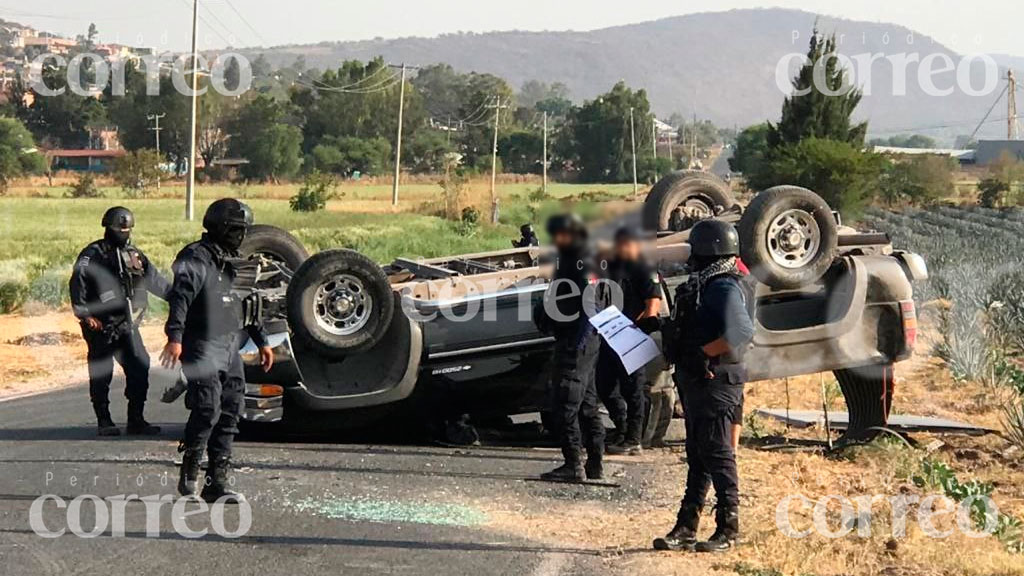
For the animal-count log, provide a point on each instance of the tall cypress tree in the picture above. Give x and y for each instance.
(813, 113)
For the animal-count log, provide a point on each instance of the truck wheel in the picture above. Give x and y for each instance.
(339, 303)
(681, 199)
(275, 244)
(868, 394)
(788, 237)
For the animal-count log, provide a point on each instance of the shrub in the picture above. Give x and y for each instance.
(991, 192)
(85, 187)
(317, 189)
(137, 172)
(453, 192)
(469, 222)
(842, 174)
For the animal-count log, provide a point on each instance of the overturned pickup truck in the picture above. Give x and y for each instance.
(357, 343)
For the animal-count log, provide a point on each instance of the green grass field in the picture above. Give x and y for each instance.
(41, 236)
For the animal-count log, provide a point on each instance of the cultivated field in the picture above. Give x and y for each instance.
(41, 230)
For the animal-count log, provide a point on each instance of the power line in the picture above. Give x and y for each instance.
(207, 23)
(220, 22)
(246, 22)
(991, 108)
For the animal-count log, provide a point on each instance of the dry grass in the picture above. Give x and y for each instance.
(623, 531)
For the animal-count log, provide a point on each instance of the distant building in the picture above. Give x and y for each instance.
(961, 156)
(83, 160)
(991, 150)
(104, 138)
(666, 132)
(51, 44)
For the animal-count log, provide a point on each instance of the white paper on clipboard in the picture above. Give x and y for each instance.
(633, 347)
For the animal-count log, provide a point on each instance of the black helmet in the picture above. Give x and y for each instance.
(570, 223)
(227, 213)
(118, 217)
(628, 234)
(714, 238)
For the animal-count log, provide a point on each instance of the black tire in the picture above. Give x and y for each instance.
(810, 259)
(309, 318)
(868, 394)
(679, 187)
(274, 243)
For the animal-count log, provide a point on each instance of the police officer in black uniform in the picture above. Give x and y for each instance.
(624, 395)
(711, 329)
(527, 237)
(572, 295)
(109, 290)
(204, 331)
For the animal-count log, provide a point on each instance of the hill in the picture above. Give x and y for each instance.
(720, 65)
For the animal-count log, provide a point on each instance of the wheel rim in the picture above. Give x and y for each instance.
(342, 305)
(793, 238)
(688, 213)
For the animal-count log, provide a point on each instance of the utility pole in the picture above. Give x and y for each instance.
(190, 182)
(449, 129)
(156, 130)
(398, 140)
(654, 145)
(544, 165)
(1011, 103)
(693, 140)
(494, 159)
(671, 155)
(632, 139)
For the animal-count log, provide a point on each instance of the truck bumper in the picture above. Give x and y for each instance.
(259, 408)
(264, 392)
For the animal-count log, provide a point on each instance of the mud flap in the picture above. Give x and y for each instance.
(868, 393)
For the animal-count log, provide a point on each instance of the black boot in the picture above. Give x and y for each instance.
(217, 487)
(594, 468)
(104, 423)
(137, 425)
(727, 530)
(188, 479)
(684, 534)
(629, 447)
(571, 471)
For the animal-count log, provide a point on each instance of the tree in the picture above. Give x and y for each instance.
(918, 180)
(18, 153)
(521, 151)
(346, 155)
(819, 108)
(62, 120)
(426, 150)
(130, 114)
(260, 135)
(905, 141)
(841, 173)
(751, 147)
(1009, 171)
(137, 171)
(356, 100)
(533, 93)
(596, 139)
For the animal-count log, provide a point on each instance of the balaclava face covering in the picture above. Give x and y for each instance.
(231, 238)
(117, 237)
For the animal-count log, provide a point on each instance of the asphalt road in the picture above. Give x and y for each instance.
(323, 508)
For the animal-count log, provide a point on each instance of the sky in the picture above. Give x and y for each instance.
(991, 26)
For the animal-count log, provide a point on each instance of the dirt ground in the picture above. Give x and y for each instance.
(46, 351)
(623, 527)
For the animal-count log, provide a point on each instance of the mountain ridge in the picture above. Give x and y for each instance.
(719, 65)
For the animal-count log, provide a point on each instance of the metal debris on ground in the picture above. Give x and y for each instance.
(902, 422)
